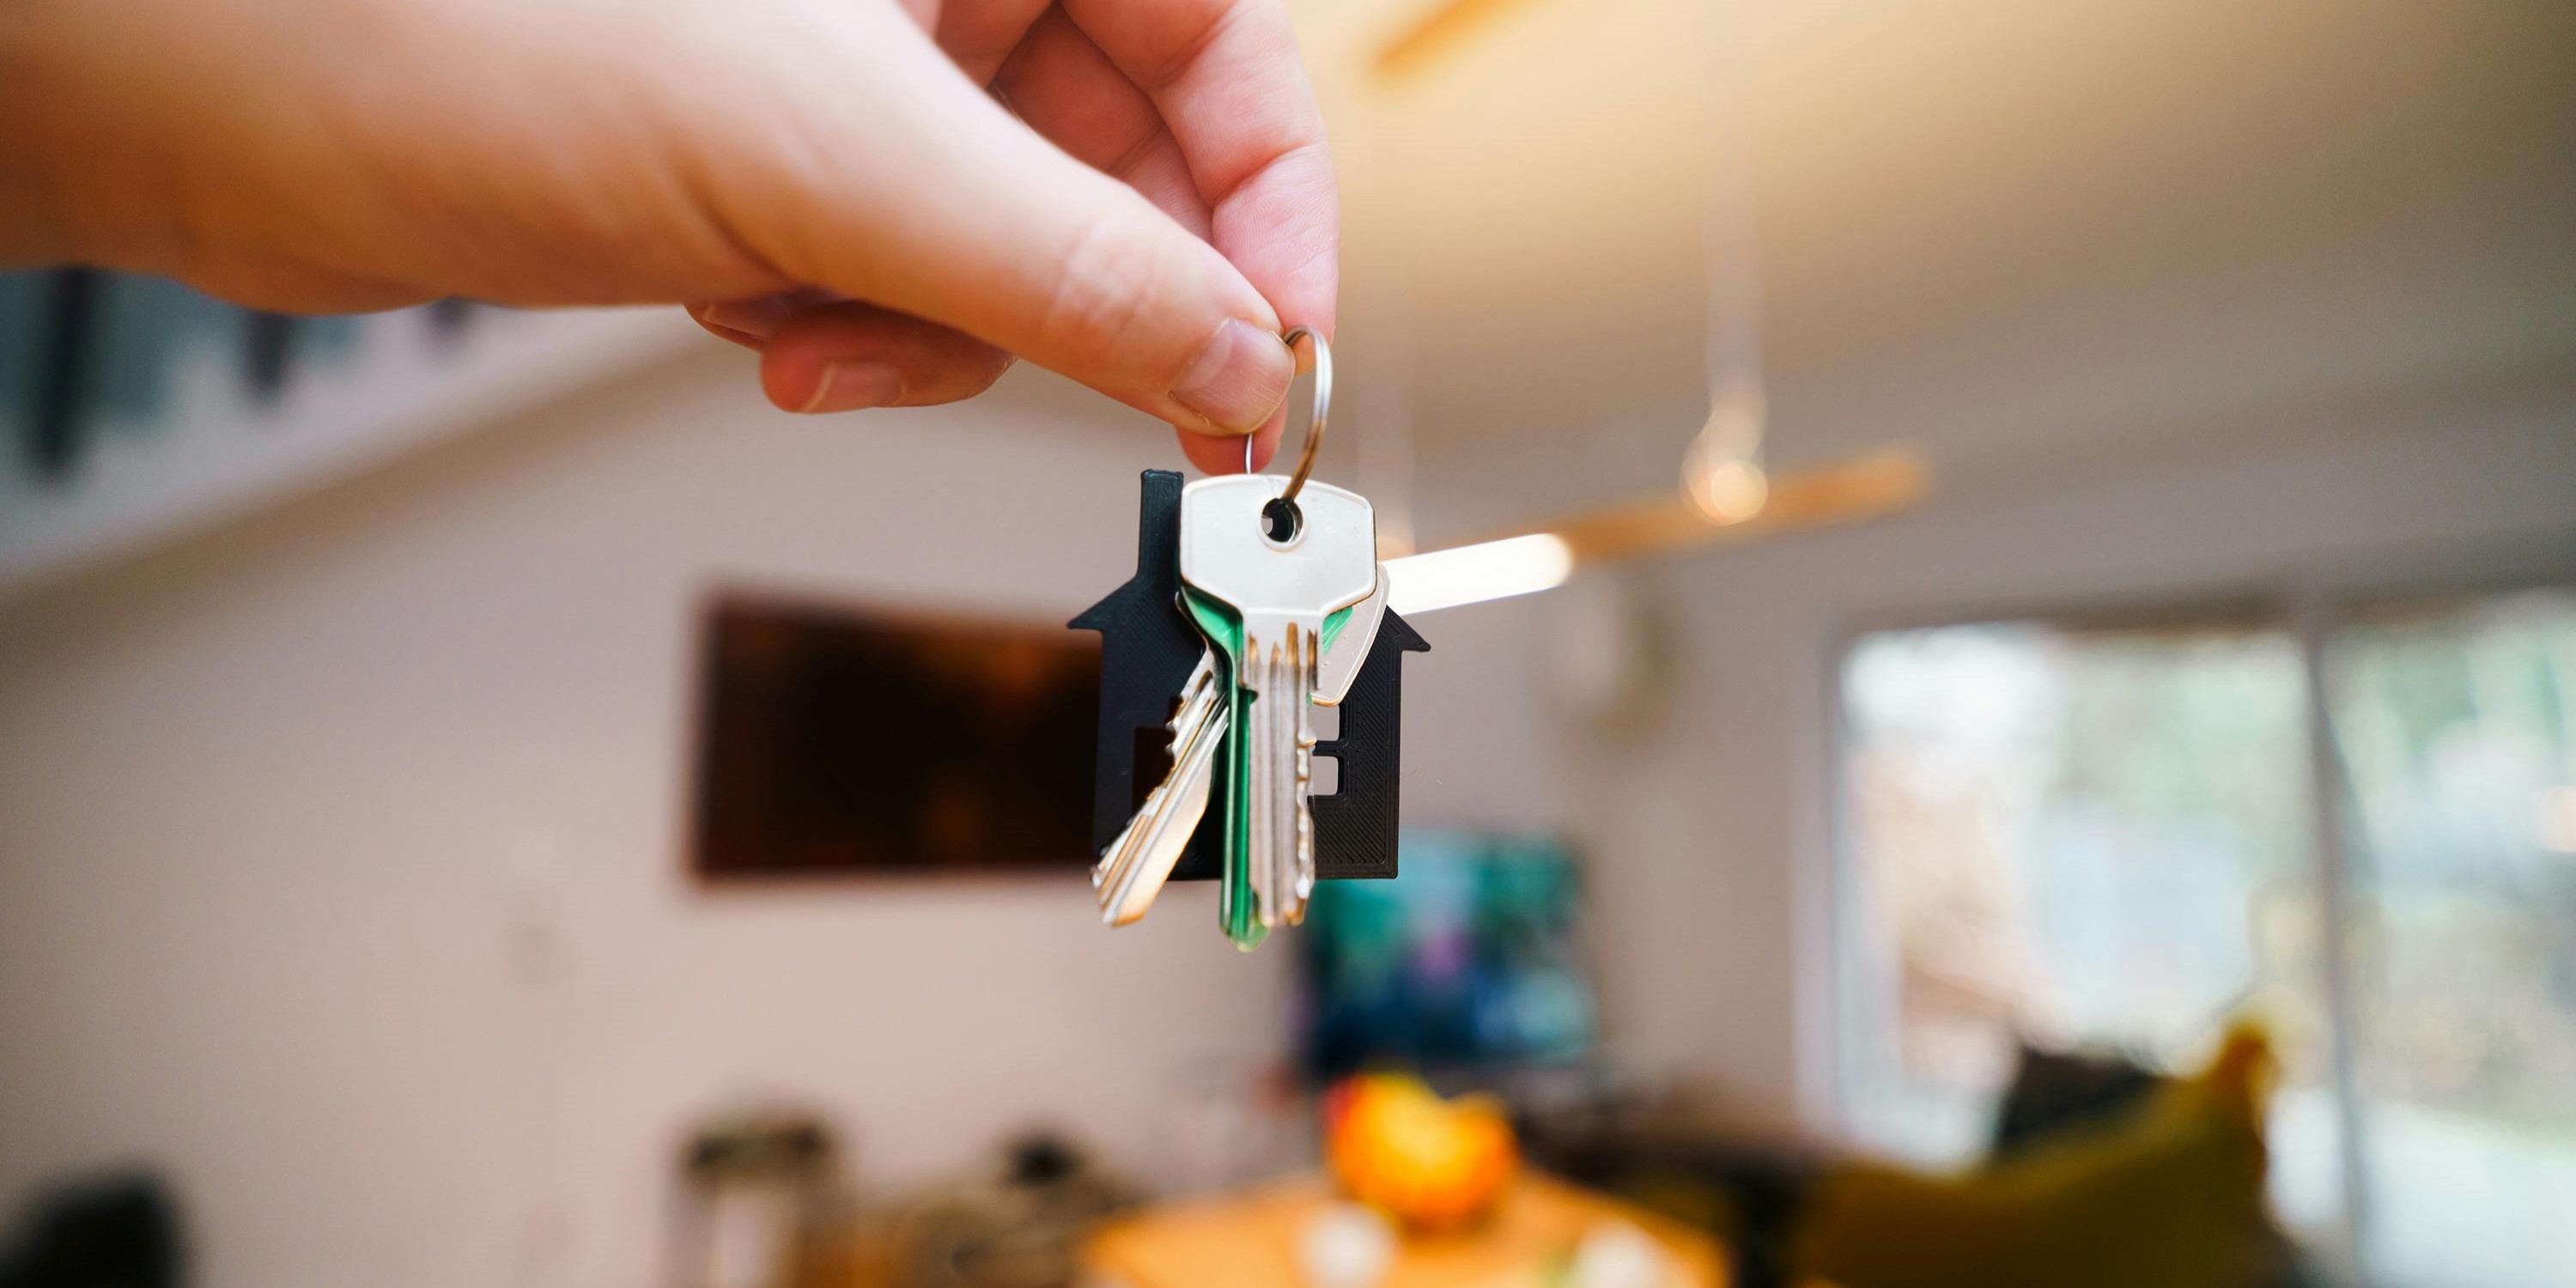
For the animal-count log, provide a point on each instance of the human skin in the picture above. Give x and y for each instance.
(888, 199)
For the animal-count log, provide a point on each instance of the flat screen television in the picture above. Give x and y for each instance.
(841, 741)
(1469, 960)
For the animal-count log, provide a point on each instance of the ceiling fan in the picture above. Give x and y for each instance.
(1541, 557)
(1430, 37)
(1725, 497)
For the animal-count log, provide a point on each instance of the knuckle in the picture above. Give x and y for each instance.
(1097, 312)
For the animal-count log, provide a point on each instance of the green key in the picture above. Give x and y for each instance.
(1224, 632)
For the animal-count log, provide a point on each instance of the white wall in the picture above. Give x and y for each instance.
(340, 862)
(340, 853)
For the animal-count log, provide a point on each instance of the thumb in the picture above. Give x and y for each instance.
(967, 217)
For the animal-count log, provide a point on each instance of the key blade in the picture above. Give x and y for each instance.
(1172, 821)
(1263, 802)
(1224, 633)
(1293, 861)
(1195, 706)
(1116, 874)
(1280, 857)
(1303, 872)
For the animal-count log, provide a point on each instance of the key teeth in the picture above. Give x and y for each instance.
(1273, 699)
(1284, 879)
(1156, 832)
(1303, 885)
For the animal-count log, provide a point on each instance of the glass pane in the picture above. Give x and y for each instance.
(2457, 725)
(2091, 837)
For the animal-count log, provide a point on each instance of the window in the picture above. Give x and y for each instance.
(2456, 723)
(2108, 834)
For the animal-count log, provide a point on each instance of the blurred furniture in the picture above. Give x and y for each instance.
(2104, 1174)
(1017, 1224)
(2113, 1186)
(1256, 1239)
(1747, 1184)
(762, 1197)
(117, 1231)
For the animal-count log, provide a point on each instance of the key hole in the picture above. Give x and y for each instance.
(1280, 521)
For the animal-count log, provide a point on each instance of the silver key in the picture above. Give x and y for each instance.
(1133, 870)
(1281, 855)
(1279, 592)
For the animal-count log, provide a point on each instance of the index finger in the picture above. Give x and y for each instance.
(1226, 78)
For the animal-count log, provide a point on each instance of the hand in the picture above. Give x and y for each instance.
(836, 183)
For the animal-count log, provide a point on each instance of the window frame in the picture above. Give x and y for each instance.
(2311, 604)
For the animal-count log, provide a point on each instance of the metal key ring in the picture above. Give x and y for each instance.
(1315, 422)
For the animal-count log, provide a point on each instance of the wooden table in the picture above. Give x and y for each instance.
(1251, 1240)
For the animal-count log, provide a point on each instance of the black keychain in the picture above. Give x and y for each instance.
(1276, 572)
(1146, 652)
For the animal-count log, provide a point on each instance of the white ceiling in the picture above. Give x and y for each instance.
(1987, 227)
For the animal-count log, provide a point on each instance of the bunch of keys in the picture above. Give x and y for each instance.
(1270, 592)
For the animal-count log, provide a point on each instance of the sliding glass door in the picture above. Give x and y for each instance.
(2115, 834)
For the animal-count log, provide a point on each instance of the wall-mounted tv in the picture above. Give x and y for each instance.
(849, 741)
(1471, 961)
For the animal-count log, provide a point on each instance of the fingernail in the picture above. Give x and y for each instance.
(755, 318)
(848, 386)
(1239, 378)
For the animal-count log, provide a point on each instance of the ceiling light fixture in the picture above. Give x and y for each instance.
(1473, 574)
(1429, 38)
(1854, 491)
(1722, 470)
